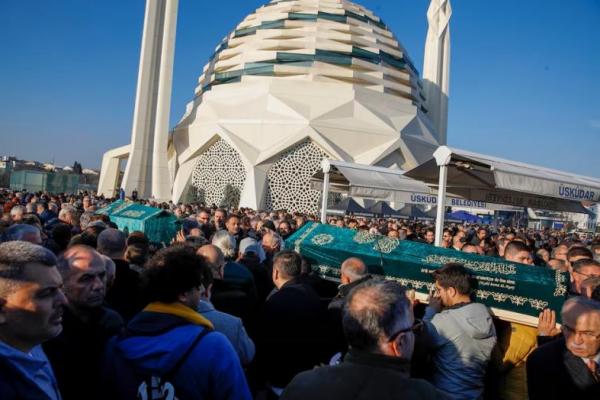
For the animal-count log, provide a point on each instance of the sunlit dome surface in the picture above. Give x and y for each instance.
(318, 41)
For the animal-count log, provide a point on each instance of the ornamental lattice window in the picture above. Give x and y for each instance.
(288, 180)
(219, 172)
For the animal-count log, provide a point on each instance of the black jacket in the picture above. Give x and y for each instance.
(335, 309)
(260, 273)
(337, 303)
(553, 372)
(76, 354)
(362, 376)
(124, 295)
(293, 334)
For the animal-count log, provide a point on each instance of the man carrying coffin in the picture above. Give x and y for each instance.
(459, 333)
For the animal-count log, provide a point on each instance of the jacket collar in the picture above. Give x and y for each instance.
(205, 306)
(576, 368)
(345, 289)
(378, 361)
(179, 310)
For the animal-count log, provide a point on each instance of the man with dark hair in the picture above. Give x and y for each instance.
(560, 251)
(203, 219)
(569, 367)
(232, 224)
(582, 270)
(44, 213)
(293, 333)
(76, 353)
(378, 325)
(123, 296)
(219, 219)
(31, 307)
(459, 333)
(458, 241)
(430, 236)
(479, 237)
(447, 239)
(284, 229)
(576, 254)
(169, 346)
(518, 252)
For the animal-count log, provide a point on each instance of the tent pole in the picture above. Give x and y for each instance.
(441, 204)
(325, 195)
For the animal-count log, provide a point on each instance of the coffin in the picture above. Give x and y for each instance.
(513, 292)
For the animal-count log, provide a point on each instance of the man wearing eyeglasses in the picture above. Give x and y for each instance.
(569, 367)
(378, 324)
(460, 334)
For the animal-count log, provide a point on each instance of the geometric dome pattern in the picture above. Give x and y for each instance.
(288, 181)
(326, 40)
(325, 71)
(218, 167)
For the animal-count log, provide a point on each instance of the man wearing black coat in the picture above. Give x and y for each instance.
(378, 323)
(77, 352)
(353, 272)
(293, 331)
(569, 367)
(124, 295)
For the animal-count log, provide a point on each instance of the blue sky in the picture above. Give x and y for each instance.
(525, 75)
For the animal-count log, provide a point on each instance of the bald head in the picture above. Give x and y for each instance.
(352, 270)
(214, 258)
(79, 257)
(374, 313)
(84, 276)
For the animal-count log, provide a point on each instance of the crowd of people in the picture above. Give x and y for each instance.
(224, 311)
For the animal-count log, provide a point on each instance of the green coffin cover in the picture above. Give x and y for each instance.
(503, 285)
(157, 224)
(112, 207)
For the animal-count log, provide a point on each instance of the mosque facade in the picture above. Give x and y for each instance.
(296, 82)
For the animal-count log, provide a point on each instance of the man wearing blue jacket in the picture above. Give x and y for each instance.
(31, 308)
(169, 350)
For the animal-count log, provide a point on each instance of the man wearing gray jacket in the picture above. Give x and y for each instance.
(232, 327)
(459, 333)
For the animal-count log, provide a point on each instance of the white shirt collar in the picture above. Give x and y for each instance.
(596, 359)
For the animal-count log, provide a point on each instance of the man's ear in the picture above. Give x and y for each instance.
(452, 292)
(396, 346)
(183, 297)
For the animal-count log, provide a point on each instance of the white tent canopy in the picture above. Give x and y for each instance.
(378, 183)
(365, 181)
(489, 179)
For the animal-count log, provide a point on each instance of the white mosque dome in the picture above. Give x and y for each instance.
(316, 40)
(295, 82)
